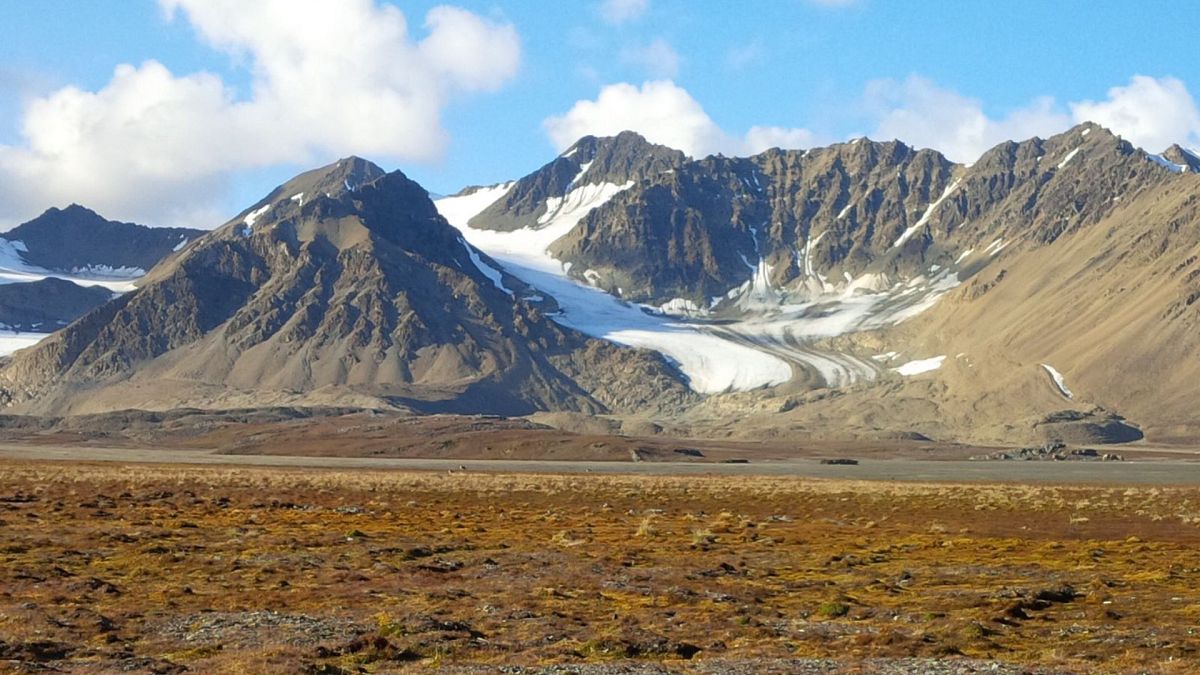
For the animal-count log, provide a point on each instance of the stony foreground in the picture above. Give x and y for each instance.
(174, 569)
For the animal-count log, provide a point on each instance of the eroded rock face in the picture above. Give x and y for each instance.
(617, 160)
(802, 223)
(345, 277)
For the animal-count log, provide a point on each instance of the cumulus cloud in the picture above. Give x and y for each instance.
(1150, 113)
(658, 58)
(920, 113)
(621, 11)
(328, 79)
(664, 113)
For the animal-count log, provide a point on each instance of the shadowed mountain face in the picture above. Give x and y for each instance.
(47, 305)
(78, 238)
(57, 267)
(345, 284)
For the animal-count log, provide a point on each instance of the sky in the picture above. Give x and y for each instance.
(183, 112)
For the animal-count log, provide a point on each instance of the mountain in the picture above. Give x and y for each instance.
(78, 239)
(46, 305)
(868, 288)
(621, 159)
(58, 266)
(344, 285)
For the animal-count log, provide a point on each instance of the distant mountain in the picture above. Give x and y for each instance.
(342, 285)
(854, 267)
(1047, 291)
(47, 305)
(60, 265)
(78, 239)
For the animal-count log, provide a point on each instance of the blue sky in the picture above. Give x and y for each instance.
(957, 76)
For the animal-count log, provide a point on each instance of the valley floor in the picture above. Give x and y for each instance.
(162, 568)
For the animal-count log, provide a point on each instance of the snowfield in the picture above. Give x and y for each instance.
(712, 364)
(764, 350)
(11, 341)
(14, 270)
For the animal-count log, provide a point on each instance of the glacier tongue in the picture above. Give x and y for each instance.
(711, 363)
(764, 349)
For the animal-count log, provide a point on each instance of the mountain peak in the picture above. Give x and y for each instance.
(625, 145)
(346, 174)
(592, 160)
(1181, 156)
(77, 237)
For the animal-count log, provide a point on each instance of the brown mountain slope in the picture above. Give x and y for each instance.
(343, 285)
(1111, 306)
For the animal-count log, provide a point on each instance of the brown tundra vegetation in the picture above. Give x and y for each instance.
(256, 570)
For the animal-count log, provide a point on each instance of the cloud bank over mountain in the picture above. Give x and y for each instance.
(328, 79)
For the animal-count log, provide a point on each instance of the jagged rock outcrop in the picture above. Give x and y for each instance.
(617, 160)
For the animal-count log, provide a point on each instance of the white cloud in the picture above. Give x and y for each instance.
(760, 138)
(1150, 113)
(659, 59)
(920, 113)
(664, 113)
(621, 11)
(329, 79)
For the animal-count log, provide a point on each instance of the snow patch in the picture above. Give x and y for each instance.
(583, 169)
(298, 198)
(1059, 380)
(182, 242)
(462, 208)
(963, 256)
(995, 247)
(925, 217)
(11, 341)
(1068, 158)
(254, 215)
(14, 270)
(19, 245)
(680, 307)
(921, 366)
(487, 270)
(1167, 164)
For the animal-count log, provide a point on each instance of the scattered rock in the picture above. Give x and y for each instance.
(1054, 451)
